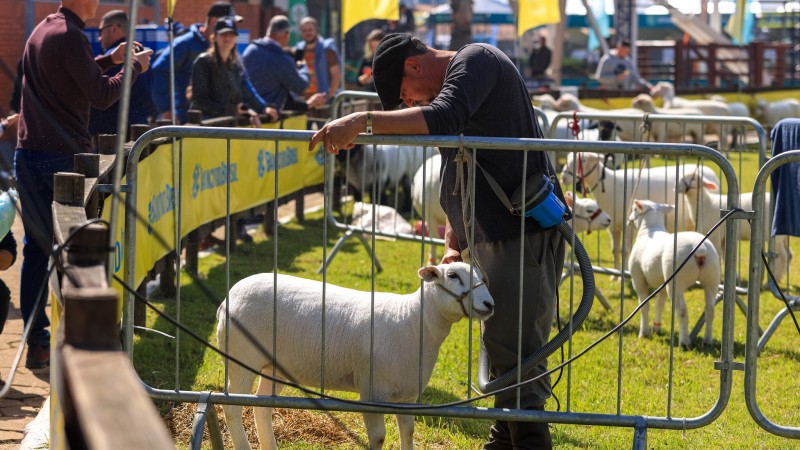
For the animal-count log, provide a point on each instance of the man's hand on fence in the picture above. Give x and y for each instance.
(339, 134)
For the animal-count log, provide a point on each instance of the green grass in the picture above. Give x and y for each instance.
(594, 379)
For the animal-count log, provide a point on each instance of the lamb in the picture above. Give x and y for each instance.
(395, 168)
(396, 357)
(706, 203)
(589, 216)
(608, 186)
(626, 130)
(671, 131)
(433, 216)
(651, 263)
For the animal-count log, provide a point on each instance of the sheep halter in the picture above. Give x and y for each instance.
(461, 297)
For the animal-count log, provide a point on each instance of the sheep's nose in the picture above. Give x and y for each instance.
(489, 305)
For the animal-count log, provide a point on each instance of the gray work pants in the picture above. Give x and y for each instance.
(500, 262)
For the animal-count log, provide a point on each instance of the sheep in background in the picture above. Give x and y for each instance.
(625, 130)
(608, 186)
(708, 107)
(670, 131)
(397, 362)
(651, 263)
(391, 166)
(770, 113)
(433, 216)
(705, 201)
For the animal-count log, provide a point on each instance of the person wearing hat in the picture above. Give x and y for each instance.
(616, 70)
(273, 70)
(114, 31)
(186, 48)
(220, 86)
(476, 91)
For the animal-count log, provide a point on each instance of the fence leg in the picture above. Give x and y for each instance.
(168, 278)
(340, 243)
(640, 435)
(204, 410)
(773, 326)
(192, 249)
(300, 205)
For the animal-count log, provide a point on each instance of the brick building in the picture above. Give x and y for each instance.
(21, 16)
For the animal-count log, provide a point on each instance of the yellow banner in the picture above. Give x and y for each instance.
(355, 11)
(533, 13)
(204, 187)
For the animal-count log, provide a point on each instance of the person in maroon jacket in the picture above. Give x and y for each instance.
(61, 80)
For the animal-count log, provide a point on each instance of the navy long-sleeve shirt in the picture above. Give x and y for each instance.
(62, 80)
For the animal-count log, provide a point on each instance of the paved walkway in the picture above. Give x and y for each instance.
(28, 391)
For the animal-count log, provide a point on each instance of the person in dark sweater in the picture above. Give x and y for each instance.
(220, 86)
(61, 81)
(476, 91)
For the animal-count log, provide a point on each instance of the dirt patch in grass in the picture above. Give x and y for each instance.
(291, 425)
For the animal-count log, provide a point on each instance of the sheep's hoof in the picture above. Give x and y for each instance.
(644, 333)
(686, 346)
(708, 343)
(657, 329)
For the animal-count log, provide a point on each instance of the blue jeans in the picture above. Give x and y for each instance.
(34, 171)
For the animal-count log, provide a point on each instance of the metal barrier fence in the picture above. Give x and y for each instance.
(662, 127)
(754, 345)
(343, 104)
(639, 421)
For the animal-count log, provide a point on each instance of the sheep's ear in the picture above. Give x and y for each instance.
(710, 185)
(429, 273)
(665, 208)
(637, 204)
(568, 198)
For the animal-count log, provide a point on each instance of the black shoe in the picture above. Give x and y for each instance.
(38, 359)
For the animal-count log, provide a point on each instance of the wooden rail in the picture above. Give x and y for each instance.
(102, 400)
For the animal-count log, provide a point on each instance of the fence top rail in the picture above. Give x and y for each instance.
(493, 143)
(658, 117)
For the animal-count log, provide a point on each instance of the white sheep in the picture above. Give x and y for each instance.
(770, 113)
(626, 130)
(433, 217)
(670, 131)
(651, 263)
(349, 322)
(708, 107)
(609, 187)
(705, 201)
(391, 166)
(589, 216)
(735, 109)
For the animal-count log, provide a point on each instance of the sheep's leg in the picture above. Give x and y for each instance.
(616, 249)
(711, 301)
(239, 381)
(658, 311)
(641, 289)
(679, 303)
(405, 424)
(376, 430)
(783, 254)
(263, 416)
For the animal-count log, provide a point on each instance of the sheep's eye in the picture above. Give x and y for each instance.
(590, 210)
(452, 275)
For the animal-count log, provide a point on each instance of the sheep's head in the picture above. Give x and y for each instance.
(568, 102)
(590, 163)
(692, 180)
(648, 211)
(454, 284)
(644, 102)
(587, 213)
(663, 89)
(607, 129)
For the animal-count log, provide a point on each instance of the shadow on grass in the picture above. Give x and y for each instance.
(475, 428)
(154, 355)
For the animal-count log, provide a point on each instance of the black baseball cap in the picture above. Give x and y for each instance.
(387, 67)
(223, 9)
(226, 25)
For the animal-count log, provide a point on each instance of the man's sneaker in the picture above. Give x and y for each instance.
(38, 359)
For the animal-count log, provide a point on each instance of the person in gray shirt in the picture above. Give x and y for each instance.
(616, 71)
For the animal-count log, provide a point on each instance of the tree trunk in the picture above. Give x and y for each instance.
(461, 31)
